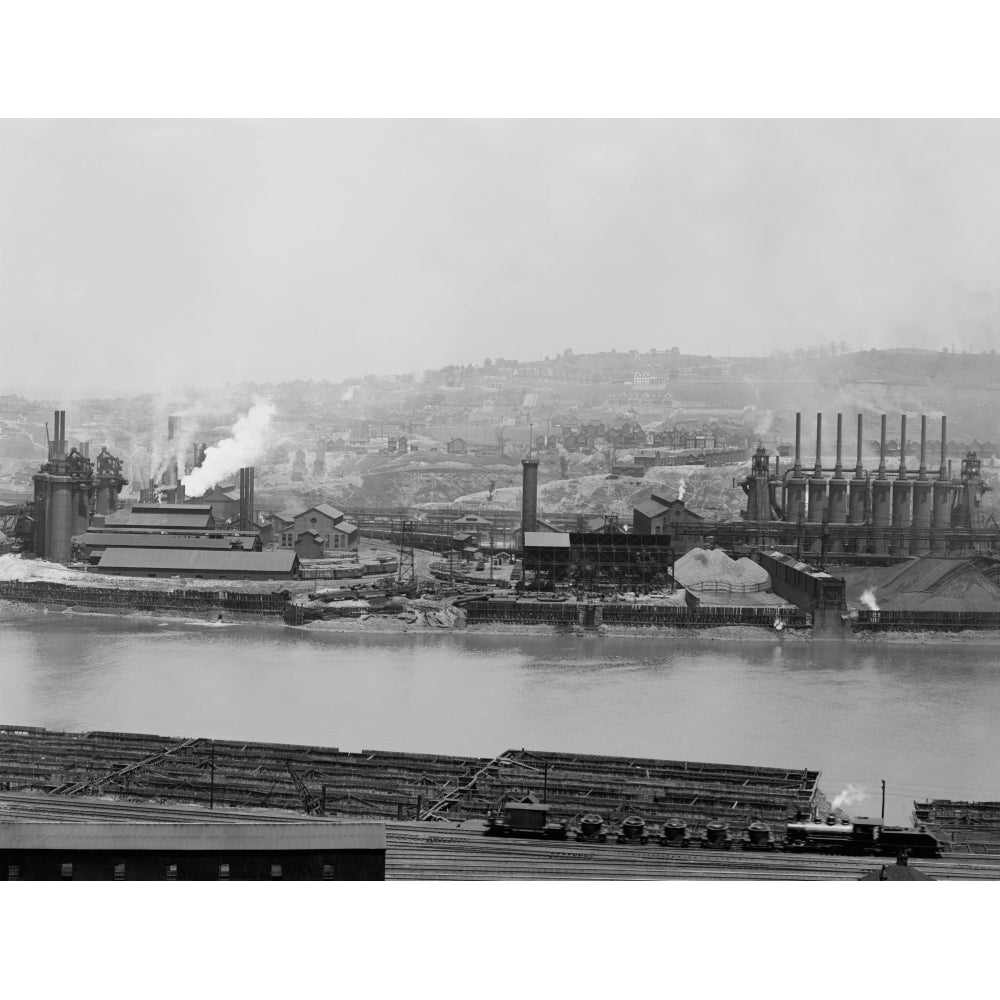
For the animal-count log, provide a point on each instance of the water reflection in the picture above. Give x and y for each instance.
(921, 716)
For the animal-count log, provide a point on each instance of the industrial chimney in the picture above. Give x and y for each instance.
(529, 495)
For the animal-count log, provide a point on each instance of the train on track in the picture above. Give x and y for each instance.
(861, 836)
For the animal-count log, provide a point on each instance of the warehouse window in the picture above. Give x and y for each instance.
(275, 871)
(66, 870)
(13, 873)
(120, 872)
(328, 873)
(223, 871)
(171, 872)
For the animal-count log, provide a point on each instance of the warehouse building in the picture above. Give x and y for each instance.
(164, 517)
(93, 544)
(321, 850)
(229, 564)
(224, 501)
(323, 520)
(659, 516)
(596, 560)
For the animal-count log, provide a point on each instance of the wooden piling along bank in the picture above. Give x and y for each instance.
(42, 592)
(916, 621)
(392, 785)
(580, 613)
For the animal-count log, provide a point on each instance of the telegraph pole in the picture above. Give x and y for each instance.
(883, 800)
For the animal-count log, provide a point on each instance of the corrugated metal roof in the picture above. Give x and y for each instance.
(325, 835)
(121, 540)
(223, 560)
(546, 540)
(171, 508)
(168, 519)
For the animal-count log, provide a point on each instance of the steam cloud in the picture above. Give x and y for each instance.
(250, 438)
(850, 796)
(868, 600)
(680, 488)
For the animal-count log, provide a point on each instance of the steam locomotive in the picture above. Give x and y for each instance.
(861, 836)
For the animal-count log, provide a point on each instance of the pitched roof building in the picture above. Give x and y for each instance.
(228, 564)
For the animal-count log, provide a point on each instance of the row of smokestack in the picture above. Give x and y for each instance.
(859, 467)
(905, 503)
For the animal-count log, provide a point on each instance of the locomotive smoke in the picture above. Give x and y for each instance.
(868, 600)
(850, 796)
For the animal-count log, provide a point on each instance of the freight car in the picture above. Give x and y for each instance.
(526, 819)
(861, 836)
(633, 831)
(592, 830)
(758, 837)
(675, 833)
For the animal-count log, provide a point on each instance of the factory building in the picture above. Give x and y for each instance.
(164, 517)
(69, 491)
(596, 560)
(93, 544)
(224, 501)
(659, 516)
(219, 564)
(323, 520)
(473, 524)
(309, 545)
(881, 514)
(189, 850)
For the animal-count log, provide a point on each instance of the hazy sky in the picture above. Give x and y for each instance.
(138, 255)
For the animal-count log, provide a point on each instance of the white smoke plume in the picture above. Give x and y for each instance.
(850, 796)
(250, 438)
(867, 598)
(681, 487)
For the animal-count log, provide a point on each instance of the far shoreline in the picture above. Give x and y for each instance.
(391, 625)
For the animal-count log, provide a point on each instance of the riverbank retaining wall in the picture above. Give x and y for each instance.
(639, 615)
(43, 592)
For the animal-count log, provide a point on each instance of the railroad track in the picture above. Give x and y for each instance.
(418, 851)
(438, 851)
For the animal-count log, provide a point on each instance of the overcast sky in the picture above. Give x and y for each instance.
(139, 255)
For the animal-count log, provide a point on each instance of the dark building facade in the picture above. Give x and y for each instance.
(329, 850)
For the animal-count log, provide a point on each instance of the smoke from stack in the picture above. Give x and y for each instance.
(250, 438)
(850, 796)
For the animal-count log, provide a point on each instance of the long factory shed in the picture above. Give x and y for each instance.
(222, 564)
(96, 543)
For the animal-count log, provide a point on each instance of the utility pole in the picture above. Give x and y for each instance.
(883, 800)
(211, 785)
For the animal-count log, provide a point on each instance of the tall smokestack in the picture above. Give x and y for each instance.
(529, 495)
(818, 470)
(881, 453)
(797, 470)
(251, 519)
(838, 469)
(943, 471)
(902, 448)
(859, 469)
(922, 472)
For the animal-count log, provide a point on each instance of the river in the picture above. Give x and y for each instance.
(923, 717)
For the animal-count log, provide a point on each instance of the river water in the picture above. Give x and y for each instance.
(923, 717)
